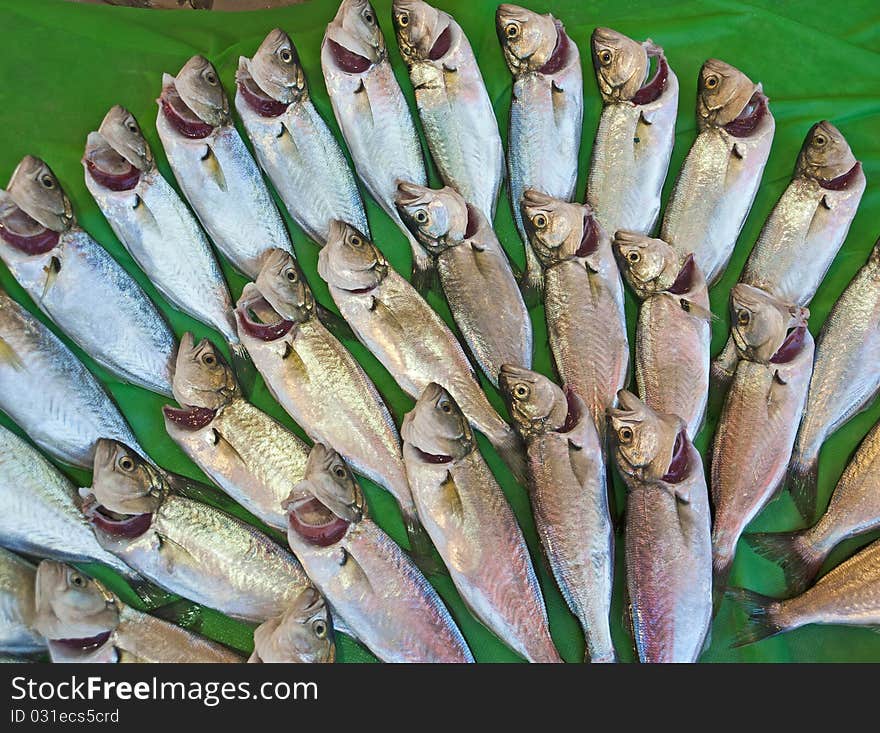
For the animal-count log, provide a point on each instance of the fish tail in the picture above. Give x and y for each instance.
(803, 484)
(424, 271)
(420, 545)
(793, 552)
(763, 614)
(243, 366)
(532, 280)
(722, 561)
(510, 448)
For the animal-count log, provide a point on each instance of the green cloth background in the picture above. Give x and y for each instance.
(62, 65)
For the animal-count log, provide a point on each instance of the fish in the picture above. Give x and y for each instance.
(84, 621)
(184, 546)
(719, 179)
(77, 284)
(292, 142)
(413, 343)
(674, 331)
(569, 498)
(667, 535)
(473, 527)
(546, 113)
(17, 634)
(372, 114)
(247, 453)
(302, 634)
(214, 168)
(367, 579)
(155, 226)
(475, 275)
(849, 595)
(583, 300)
(761, 412)
(454, 106)
(846, 377)
(854, 510)
(636, 131)
(48, 392)
(806, 228)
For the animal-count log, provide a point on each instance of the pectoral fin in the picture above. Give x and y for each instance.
(389, 320)
(212, 168)
(52, 270)
(8, 356)
(451, 498)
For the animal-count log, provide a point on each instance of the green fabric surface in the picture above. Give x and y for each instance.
(62, 65)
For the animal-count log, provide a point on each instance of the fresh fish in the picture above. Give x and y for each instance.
(246, 452)
(583, 300)
(454, 106)
(372, 112)
(721, 174)
(569, 498)
(546, 111)
(473, 527)
(475, 275)
(674, 327)
(761, 412)
(413, 343)
(184, 546)
(83, 621)
(854, 510)
(47, 391)
(368, 580)
(846, 377)
(302, 634)
(77, 284)
(636, 132)
(17, 634)
(667, 537)
(215, 170)
(292, 142)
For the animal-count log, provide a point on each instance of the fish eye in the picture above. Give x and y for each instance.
(209, 359)
(445, 406)
(286, 55)
(540, 221)
(421, 216)
(131, 125)
(605, 57)
(403, 20)
(339, 471)
(211, 78)
(319, 627)
(820, 140)
(126, 463)
(521, 391)
(78, 580)
(355, 241)
(291, 275)
(368, 16)
(625, 434)
(743, 318)
(511, 30)
(712, 81)
(47, 181)
(633, 256)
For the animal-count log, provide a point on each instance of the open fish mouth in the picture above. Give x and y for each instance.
(258, 100)
(559, 58)
(26, 234)
(260, 320)
(113, 523)
(190, 418)
(654, 86)
(843, 181)
(347, 60)
(679, 464)
(745, 123)
(315, 523)
(86, 644)
(181, 116)
(791, 347)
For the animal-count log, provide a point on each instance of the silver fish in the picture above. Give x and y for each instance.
(719, 179)
(302, 634)
(454, 106)
(473, 527)
(667, 536)
(636, 132)
(75, 281)
(413, 343)
(569, 497)
(372, 112)
(215, 170)
(546, 112)
(17, 633)
(292, 142)
(475, 275)
(846, 376)
(370, 583)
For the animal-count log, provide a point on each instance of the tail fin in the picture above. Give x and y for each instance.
(510, 448)
(803, 478)
(420, 545)
(763, 621)
(245, 371)
(532, 281)
(721, 565)
(793, 552)
(424, 271)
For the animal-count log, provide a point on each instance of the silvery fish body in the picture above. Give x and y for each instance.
(17, 635)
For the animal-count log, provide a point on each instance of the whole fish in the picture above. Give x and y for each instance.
(215, 170)
(154, 224)
(569, 498)
(473, 527)
(719, 179)
(854, 510)
(292, 142)
(368, 580)
(372, 112)
(667, 536)
(849, 595)
(48, 392)
(761, 412)
(246, 452)
(302, 634)
(583, 300)
(84, 621)
(636, 132)
(454, 106)
(546, 111)
(413, 343)
(17, 633)
(184, 546)
(674, 327)
(475, 275)
(77, 284)
(846, 377)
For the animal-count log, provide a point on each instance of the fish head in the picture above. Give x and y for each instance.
(825, 154)
(121, 131)
(649, 265)
(198, 85)
(354, 38)
(437, 218)
(536, 404)
(555, 228)
(124, 482)
(437, 427)
(27, 246)
(350, 261)
(621, 64)
(424, 33)
(276, 68)
(528, 39)
(202, 378)
(723, 93)
(282, 284)
(106, 166)
(644, 440)
(761, 322)
(302, 634)
(36, 190)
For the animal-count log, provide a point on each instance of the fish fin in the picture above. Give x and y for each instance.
(200, 492)
(52, 269)
(792, 552)
(420, 545)
(424, 272)
(736, 152)
(778, 379)
(762, 621)
(152, 596)
(803, 485)
(532, 281)
(723, 368)
(452, 497)
(510, 449)
(336, 324)
(721, 567)
(165, 540)
(213, 168)
(183, 613)
(390, 319)
(294, 362)
(8, 356)
(704, 314)
(243, 366)
(646, 117)
(825, 203)
(349, 561)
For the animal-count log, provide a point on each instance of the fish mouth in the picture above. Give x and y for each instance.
(684, 281)
(86, 644)
(260, 320)
(654, 87)
(257, 99)
(559, 57)
(590, 237)
(181, 116)
(127, 526)
(679, 464)
(843, 181)
(114, 181)
(791, 346)
(190, 418)
(42, 241)
(315, 523)
(750, 117)
(574, 414)
(442, 45)
(347, 60)
(433, 458)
